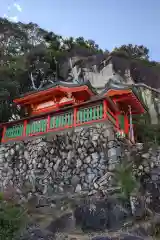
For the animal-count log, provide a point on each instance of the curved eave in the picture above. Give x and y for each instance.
(121, 88)
(28, 99)
(139, 104)
(131, 100)
(129, 92)
(140, 101)
(61, 84)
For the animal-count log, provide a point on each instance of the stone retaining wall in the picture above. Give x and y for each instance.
(76, 160)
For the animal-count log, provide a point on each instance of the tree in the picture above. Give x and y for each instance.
(31, 57)
(134, 51)
(12, 217)
(125, 179)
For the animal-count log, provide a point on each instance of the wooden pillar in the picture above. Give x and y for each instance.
(3, 134)
(104, 109)
(24, 128)
(126, 124)
(117, 121)
(48, 123)
(74, 116)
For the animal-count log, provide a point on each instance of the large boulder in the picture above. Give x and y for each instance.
(102, 214)
(118, 212)
(119, 237)
(65, 223)
(35, 233)
(91, 217)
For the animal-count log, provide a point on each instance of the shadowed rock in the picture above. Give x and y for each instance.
(64, 223)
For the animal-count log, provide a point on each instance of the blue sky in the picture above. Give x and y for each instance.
(109, 22)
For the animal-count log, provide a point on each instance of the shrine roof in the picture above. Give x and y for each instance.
(123, 87)
(80, 90)
(61, 84)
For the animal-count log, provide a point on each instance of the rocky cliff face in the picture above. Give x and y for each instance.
(98, 70)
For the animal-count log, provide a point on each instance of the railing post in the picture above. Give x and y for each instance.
(24, 128)
(74, 116)
(3, 134)
(48, 123)
(104, 109)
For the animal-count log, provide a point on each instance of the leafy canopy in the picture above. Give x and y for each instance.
(27, 50)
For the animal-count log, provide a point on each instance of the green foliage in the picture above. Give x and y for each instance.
(26, 48)
(134, 51)
(145, 131)
(125, 179)
(156, 231)
(148, 133)
(12, 219)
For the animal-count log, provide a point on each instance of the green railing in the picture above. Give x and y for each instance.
(60, 121)
(63, 120)
(14, 131)
(36, 126)
(89, 114)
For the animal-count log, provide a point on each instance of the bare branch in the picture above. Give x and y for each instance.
(33, 85)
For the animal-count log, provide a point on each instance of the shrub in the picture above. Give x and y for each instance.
(12, 218)
(125, 179)
(148, 133)
(145, 131)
